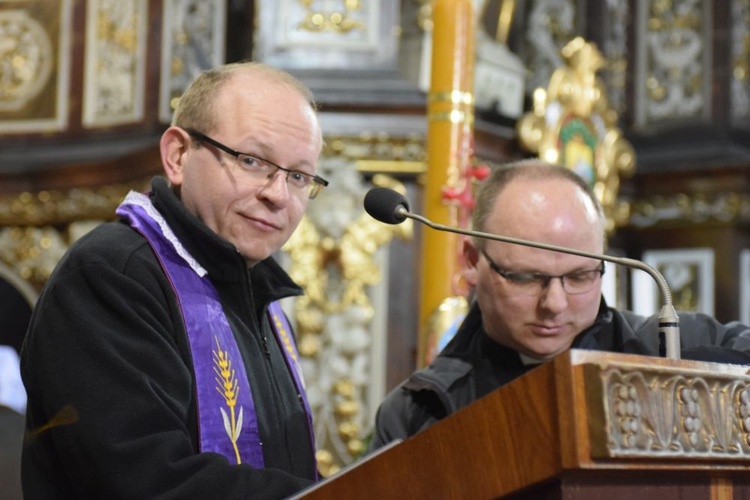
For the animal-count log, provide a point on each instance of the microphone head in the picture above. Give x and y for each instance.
(383, 204)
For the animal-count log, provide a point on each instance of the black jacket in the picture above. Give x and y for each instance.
(107, 366)
(472, 365)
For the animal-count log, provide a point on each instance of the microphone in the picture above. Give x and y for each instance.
(391, 207)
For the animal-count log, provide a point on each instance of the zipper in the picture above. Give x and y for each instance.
(264, 341)
(254, 322)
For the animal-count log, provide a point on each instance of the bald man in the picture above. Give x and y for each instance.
(532, 304)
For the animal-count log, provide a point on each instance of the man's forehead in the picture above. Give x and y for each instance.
(524, 192)
(529, 206)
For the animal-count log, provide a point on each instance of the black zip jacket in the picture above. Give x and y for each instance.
(107, 366)
(472, 365)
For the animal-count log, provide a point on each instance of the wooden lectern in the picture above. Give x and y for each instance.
(585, 425)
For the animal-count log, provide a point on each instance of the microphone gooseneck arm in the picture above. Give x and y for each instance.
(669, 329)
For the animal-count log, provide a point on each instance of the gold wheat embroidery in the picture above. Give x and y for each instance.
(285, 338)
(229, 389)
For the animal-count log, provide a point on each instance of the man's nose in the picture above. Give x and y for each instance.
(276, 188)
(554, 297)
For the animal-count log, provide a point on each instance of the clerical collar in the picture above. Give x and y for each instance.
(528, 360)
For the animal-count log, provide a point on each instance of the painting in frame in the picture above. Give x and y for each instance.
(688, 272)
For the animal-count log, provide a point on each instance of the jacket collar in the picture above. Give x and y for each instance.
(454, 361)
(219, 257)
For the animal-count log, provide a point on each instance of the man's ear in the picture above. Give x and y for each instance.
(471, 257)
(174, 146)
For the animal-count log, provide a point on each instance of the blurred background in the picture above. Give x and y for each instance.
(647, 99)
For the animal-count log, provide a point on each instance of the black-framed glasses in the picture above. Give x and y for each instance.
(263, 169)
(529, 283)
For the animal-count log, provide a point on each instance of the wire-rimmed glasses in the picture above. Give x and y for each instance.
(531, 283)
(261, 168)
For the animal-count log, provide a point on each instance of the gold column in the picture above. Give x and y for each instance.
(450, 120)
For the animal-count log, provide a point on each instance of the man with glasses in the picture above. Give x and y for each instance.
(158, 362)
(532, 304)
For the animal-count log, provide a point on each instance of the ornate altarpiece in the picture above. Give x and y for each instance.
(572, 124)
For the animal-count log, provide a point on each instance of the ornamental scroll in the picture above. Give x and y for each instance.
(572, 124)
(660, 412)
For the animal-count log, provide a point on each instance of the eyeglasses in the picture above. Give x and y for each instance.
(527, 283)
(263, 169)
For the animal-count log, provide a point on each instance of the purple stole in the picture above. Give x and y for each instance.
(227, 422)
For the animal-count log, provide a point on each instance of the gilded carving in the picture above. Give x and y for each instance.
(115, 61)
(663, 413)
(61, 207)
(572, 124)
(615, 49)
(334, 257)
(194, 34)
(368, 148)
(36, 229)
(424, 15)
(743, 403)
(25, 56)
(34, 61)
(690, 209)
(32, 252)
(323, 18)
(674, 72)
(316, 35)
